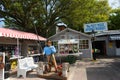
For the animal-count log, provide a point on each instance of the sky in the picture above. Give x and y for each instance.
(1, 23)
(112, 3)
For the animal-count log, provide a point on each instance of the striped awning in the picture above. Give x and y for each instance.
(5, 32)
(114, 37)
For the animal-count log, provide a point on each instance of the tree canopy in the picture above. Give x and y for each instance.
(43, 15)
(26, 14)
(88, 11)
(114, 19)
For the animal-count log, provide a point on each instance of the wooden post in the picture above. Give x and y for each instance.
(40, 68)
(65, 67)
(2, 62)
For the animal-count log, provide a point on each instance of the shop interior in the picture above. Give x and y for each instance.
(100, 45)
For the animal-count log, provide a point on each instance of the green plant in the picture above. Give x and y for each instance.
(71, 59)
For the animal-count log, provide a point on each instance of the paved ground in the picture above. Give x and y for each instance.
(102, 69)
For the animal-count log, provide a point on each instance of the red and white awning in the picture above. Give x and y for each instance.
(5, 32)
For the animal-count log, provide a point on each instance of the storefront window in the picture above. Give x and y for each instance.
(83, 44)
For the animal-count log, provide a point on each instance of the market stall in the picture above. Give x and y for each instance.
(17, 43)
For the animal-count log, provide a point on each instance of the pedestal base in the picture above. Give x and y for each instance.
(52, 75)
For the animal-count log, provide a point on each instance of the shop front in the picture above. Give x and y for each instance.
(71, 42)
(18, 44)
(111, 41)
(115, 40)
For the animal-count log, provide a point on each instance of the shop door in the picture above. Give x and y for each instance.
(100, 45)
(117, 51)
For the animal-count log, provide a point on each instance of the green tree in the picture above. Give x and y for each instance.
(26, 14)
(88, 11)
(44, 14)
(114, 19)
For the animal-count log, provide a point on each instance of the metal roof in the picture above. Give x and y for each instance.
(6, 32)
(68, 29)
(110, 32)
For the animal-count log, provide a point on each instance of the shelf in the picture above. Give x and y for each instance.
(15, 57)
(75, 54)
(34, 55)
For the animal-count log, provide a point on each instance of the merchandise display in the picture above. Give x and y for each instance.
(32, 50)
(11, 49)
(68, 46)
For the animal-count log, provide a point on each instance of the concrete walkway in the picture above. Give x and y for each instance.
(102, 69)
(78, 71)
(78, 74)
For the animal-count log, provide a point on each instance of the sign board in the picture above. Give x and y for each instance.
(101, 26)
(68, 41)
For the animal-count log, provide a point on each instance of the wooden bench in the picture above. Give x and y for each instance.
(25, 65)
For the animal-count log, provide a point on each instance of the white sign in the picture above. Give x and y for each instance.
(68, 41)
(101, 26)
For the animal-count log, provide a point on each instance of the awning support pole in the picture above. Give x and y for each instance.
(17, 52)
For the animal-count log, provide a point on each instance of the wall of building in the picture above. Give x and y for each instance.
(24, 48)
(7, 40)
(111, 48)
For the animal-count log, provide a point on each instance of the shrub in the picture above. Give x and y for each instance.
(71, 59)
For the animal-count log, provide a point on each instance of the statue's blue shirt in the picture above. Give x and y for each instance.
(48, 50)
